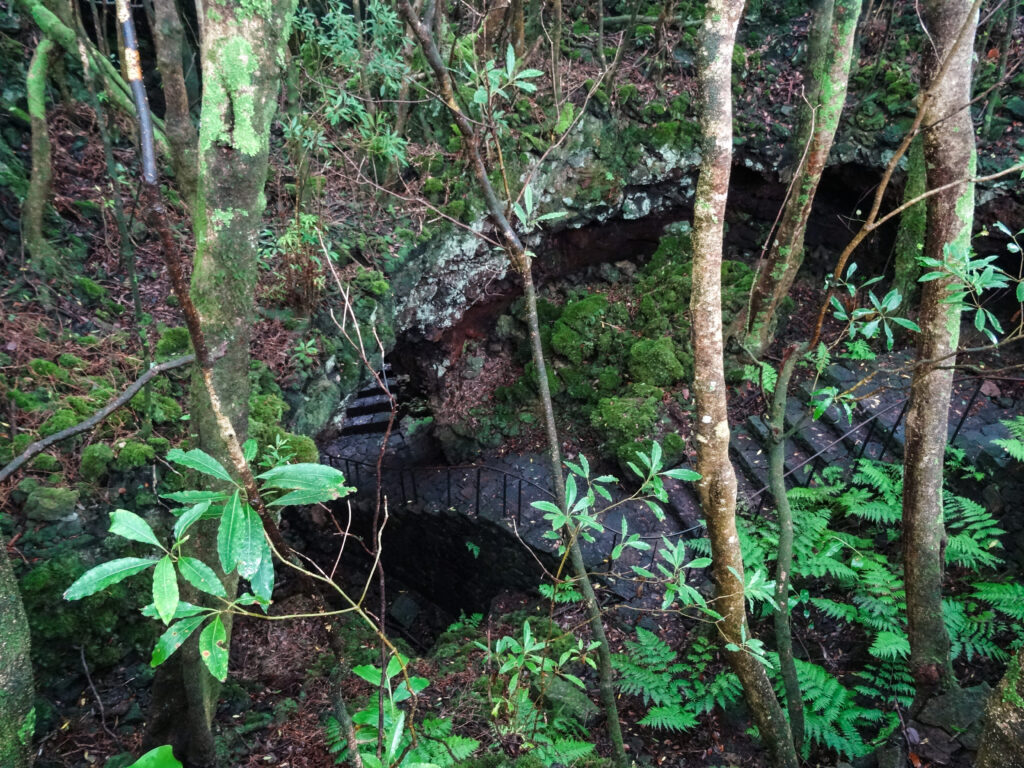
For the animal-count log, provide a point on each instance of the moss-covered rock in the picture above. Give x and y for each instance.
(654, 362)
(133, 455)
(44, 462)
(46, 504)
(95, 462)
(58, 422)
(173, 342)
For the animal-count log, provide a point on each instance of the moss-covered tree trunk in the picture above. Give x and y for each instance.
(828, 73)
(717, 487)
(1002, 740)
(43, 255)
(169, 38)
(242, 47)
(910, 235)
(949, 156)
(17, 714)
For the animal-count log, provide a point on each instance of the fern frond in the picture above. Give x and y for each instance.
(973, 534)
(890, 646)
(669, 719)
(1007, 598)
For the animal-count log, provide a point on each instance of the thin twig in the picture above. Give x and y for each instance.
(98, 417)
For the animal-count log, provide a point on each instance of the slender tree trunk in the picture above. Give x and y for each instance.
(43, 255)
(169, 38)
(994, 99)
(784, 559)
(828, 73)
(1002, 740)
(17, 713)
(949, 155)
(717, 487)
(241, 51)
(910, 235)
(521, 262)
(556, 54)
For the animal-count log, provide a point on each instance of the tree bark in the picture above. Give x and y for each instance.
(521, 262)
(717, 487)
(910, 235)
(43, 255)
(169, 39)
(949, 155)
(828, 71)
(241, 51)
(1002, 740)
(17, 713)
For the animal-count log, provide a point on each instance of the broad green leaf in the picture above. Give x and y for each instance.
(161, 757)
(195, 497)
(173, 637)
(368, 672)
(188, 517)
(200, 461)
(249, 450)
(201, 576)
(227, 534)
(212, 649)
(183, 611)
(700, 562)
(128, 525)
(546, 506)
(105, 574)
(165, 589)
(305, 477)
(299, 498)
(262, 582)
(249, 544)
(681, 473)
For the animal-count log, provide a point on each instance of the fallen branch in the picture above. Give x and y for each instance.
(97, 418)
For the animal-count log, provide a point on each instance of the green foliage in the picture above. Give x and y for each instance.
(172, 342)
(653, 362)
(241, 545)
(59, 421)
(133, 454)
(95, 462)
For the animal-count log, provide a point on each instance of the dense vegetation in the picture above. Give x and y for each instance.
(267, 294)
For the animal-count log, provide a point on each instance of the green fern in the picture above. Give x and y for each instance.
(669, 719)
(972, 532)
(648, 669)
(832, 718)
(1013, 445)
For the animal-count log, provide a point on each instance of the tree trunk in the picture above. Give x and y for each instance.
(1002, 740)
(169, 39)
(828, 68)
(949, 155)
(241, 51)
(784, 559)
(911, 232)
(717, 487)
(521, 262)
(17, 713)
(43, 256)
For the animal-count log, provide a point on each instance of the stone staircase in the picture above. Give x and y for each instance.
(459, 516)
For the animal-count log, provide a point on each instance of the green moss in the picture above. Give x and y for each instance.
(95, 462)
(99, 624)
(267, 409)
(83, 406)
(70, 362)
(44, 462)
(173, 342)
(89, 290)
(433, 188)
(134, 454)
(47, 369)
(653, 361)
(159, 444)
(58, 422)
